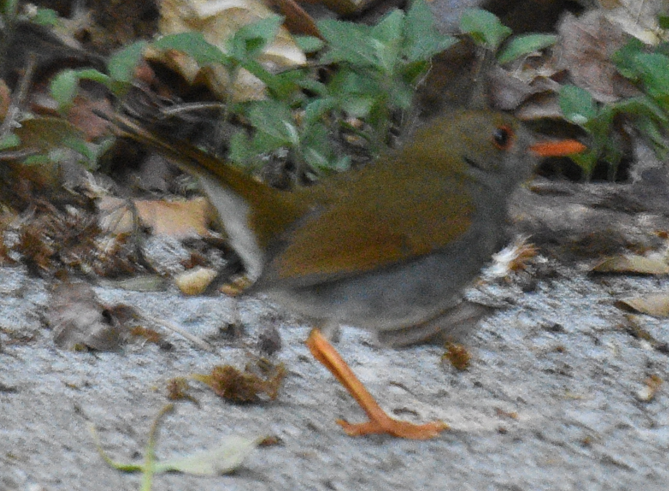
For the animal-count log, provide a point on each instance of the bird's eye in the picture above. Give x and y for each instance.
(502, 137)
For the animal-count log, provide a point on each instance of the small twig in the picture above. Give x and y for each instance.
(150, 457)
(19, 96)
(17, 154)
(174, 328)
(194, 106)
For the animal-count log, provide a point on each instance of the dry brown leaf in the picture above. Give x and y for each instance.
(297, 20)
(260, 380)
(218, 21)
(540, 106)
(179, 219)
(347, 7)
(638, 19)
(81, 115)
(78, 319)
(46, 134)
(652, 385)
(586, 45)
(236, 286)
(506, 91)
(458, 355)
(630, 263)
(195, 281)
(54, 241)
(5, 99)
(656, 305)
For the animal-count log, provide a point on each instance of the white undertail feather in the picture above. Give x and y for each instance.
(234, 215)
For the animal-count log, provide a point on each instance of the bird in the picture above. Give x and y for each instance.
(388, 247)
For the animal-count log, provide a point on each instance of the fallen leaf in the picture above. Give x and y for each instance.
(195, 281)
(631, 263)
(639, 19)
(257, 380)
(79, 320)
(5, 99)
(586, 46)
(652, 385)
(656, 305)
(218, 21)
(82, 116)
(45, 134)
(347, 7)
(223, 459)
(458, 355)
(138, 283)
(178, 219)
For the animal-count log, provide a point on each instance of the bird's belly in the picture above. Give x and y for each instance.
(399, 296)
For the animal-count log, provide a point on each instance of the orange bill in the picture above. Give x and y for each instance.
(379, 421)
(559, 148)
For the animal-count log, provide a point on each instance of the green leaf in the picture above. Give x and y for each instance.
(422, 39)
(9, 141)
(317, 150)
(46, 134)
(341, 163)
(223, 459)
(85, 150)
(386, 39)
(37, 160)
(390, 27)
(281, 86)
(309, 44)
(264, 143)
(662, 48)
(340, 46)
(274, 122)
(286, 84)
(586, 161)
(95, 75)
(524, 45)
(123, 63)
(257, 69)
(655, 134)
(663, 21)
(348, 82)
(240, 147)
(249, 41)
(401, 95)
(484, 27)
(318, 88)
(317, 108)
(624, 58)
(612, 155)
(45, 17)
(356, 92)
(643, 106)
(654, 71)
(64, 87)
(413, 73)
(359, 106)
(194, 45)
(577, 105)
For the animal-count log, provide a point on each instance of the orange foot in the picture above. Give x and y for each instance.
(394, 427)
(379, 421)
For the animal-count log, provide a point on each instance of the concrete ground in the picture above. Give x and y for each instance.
(551, 400)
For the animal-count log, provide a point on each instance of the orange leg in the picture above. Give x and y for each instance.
(379, 421)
